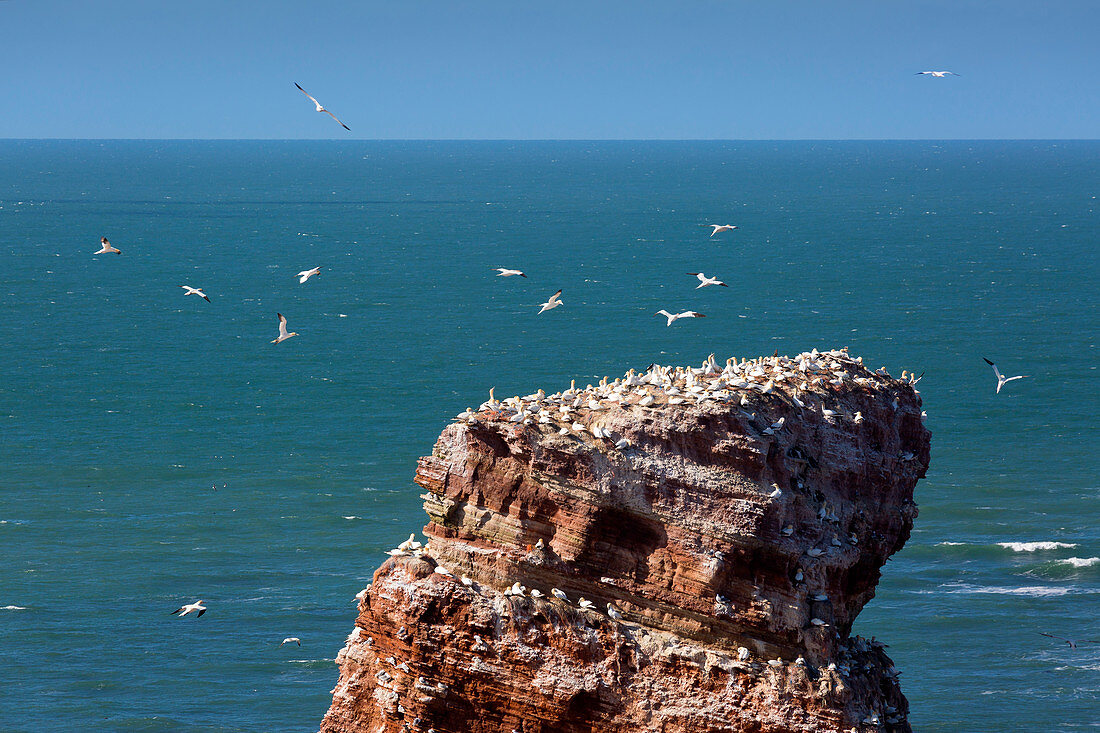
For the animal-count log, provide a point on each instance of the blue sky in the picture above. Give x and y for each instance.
(412, 69)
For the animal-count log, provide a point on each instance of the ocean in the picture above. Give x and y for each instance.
(158, 449)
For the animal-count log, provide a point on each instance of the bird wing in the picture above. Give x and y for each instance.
(303, 91)
(282, 324)
(556, 296)
(204, 297)
(176, 611)
(716, 228)
(693, 314)
(1052, 636)
(201, 612)
(337, 119)
(995, 369)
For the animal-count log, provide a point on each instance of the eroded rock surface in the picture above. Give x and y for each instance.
(737, 517)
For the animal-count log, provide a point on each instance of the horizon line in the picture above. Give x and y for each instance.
(550, 139)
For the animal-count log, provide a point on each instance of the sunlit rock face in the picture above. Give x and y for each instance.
(737, 516)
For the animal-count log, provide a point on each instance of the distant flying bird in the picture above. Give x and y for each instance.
(106, 248)
(705, 281)
(188, 608)
(554, 302)
(1002, 380)
(937, 74)
(720, 228)
(283, 335)
(292, 640)
(505, 272)
(320, 108)
(307, 274)
(673, 317)
(195, 291)
(1072, 642)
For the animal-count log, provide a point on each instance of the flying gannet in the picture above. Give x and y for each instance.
(106, 247)
(292, 640)
(720, 228)
(1002, 380)
(1072, 642)
(307, 274)
(673, 317)
(283, 335)
(554, 302)
(705, 281)
(937, 74)
(188, 608)
(320, 108)
(505, 272)
(195, 291)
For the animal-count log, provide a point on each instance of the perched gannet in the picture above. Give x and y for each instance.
(307, 274)
(585, 603)
(554, 302)
(1072, 642)
(720, 228)
(106, 247)
(559, 594)
(1002, 380)
(505, 272)
(937, 74)
(673, 317)
(292, 640)
(705, 281)
(614, 612)
(320, 108)
(195, 291)
(188, 608)
(283, 335)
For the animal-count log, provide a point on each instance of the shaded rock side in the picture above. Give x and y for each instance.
(737, 517)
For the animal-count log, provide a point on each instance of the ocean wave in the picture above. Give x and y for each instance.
(13, 608)
(1079, 562)
(1034, 546)
(950, 544)
(1033, 591)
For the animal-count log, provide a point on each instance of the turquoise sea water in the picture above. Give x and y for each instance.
(123, 402)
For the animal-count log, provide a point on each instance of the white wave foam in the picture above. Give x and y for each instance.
(13, 608)
(1034, 546)
(949, 544)
(1080, 562)
(1035, 591)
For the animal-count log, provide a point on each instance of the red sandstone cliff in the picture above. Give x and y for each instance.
(738, 548)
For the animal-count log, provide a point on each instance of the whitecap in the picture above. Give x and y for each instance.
(13, 608)
(352, 517)
(1033, 546)
(949, 544)
(1035, 591)
(1080, 562)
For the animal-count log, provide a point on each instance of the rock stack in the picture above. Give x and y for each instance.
(736, 519)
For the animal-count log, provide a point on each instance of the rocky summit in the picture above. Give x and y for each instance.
(679, 549)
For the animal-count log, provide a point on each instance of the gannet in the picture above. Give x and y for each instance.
(188, 608)
(1072, 642)
(292, 639)
(937, 74)
(720, 228)
(505, 272)
(1002, 380)
(195, 291)
(320, 108)
(559, 594)
(307, 274)
(614, 612)
(283, 335)
(106, 248)
(673, 317)
(585, 603)
(705, 281)
(554, 302)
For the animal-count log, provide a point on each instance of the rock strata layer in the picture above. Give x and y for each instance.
(736, 519)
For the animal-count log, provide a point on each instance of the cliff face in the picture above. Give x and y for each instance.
(737, 517)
